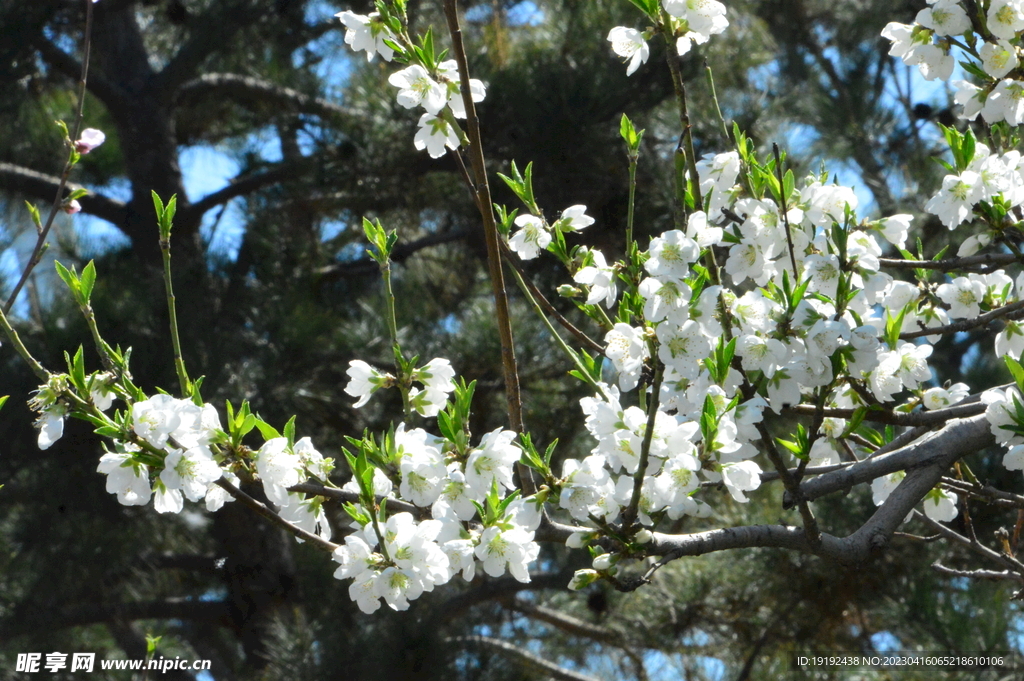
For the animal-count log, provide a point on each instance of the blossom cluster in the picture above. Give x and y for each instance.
(434, 88)
(693, 23)
(799, 313)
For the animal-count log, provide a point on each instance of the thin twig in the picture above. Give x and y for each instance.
(546, 305)
(483, 194)
(263, 510)
(977, 574)
(37, 250)
(785, 213)
(968, 263)
(920, 418)
(966, 324)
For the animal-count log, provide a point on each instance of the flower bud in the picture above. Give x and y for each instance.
(90, 139)
(71, 207)
(568, 291)
(643, 536)
(603, 562)
(577, 540)
(582, 579)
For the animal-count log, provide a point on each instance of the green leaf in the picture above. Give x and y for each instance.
(69, 277)
(289, 431)
(1016, 370)
(34, 212)
(266, 430)
(158, 206)
(88, 281)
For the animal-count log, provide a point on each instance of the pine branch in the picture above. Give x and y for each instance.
(255, 93)
(523, 657)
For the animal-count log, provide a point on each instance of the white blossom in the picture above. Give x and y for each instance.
(531, 238)
(435, 135)
(417, 88)
(1005, 18)
(367, 33)
(601, 280)
(629, 44)
(957, 197)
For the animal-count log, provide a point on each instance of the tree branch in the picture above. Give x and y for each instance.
(957, 438)
(401, 252)
(568, 623)
(917, 418)
(238, 186)
(264, 510)
(523, 657)
(41, 186)
(972, 263)
(254, 93)
(341, 495)
(966, 324)
(926, 461)
(209, 33)
(106, 91)
(498, 589)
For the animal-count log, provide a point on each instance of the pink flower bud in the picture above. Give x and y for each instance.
(72, 207)
(91, 138)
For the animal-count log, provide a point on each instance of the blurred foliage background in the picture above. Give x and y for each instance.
(276, 296)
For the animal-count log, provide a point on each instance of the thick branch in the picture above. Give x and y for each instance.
(975, 263)
(106, 91)
(524, 657)
(966, 324)
(568, 623)
(209, 33)
(917, 418)
(926, 465)
(254, 93)
(239, 186)
(950, 443)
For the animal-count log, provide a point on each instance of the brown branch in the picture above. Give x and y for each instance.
(917, 418)
(341, 495)
(238, 186)
(483, 199)
(502, 588)
(966, 264)
(977, 574)
(954, 440)
(568, 623)
(523, 657)
(577, 627)
(966, 324)
(106, 91)
(255, 93)
(42, 186)
(275, 519)
(513, 260)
